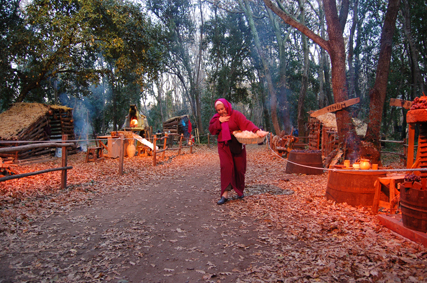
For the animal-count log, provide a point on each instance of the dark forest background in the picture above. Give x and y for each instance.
(177, 57)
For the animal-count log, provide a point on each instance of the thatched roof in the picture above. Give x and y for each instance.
(329, 120)
(22, 115)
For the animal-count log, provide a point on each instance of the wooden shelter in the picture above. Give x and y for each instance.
(177, 125)
(323, 133)
(35, 122)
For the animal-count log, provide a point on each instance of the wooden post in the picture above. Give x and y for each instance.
(64, 163)
(121, 153)
(405, 152)
(16, 155)
(266, 141)
(411, 139)
(271, 140)
(180, 144)
(164, 146)
(191, 144)
(154, 149)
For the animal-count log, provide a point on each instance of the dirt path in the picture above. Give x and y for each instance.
(162, 224)
(160, 229)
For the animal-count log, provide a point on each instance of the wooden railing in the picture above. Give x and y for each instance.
(165, 147)
(64, 167)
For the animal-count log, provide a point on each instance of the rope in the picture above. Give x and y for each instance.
(345, 170)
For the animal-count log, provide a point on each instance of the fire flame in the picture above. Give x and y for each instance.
(133, 122)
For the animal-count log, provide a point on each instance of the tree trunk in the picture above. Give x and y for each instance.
(322, 100)
(336, 49)
(273, 100)
(412, 49)
(304, 79)
(351, 80)
(198, 71)
(378, 93)
(337, 53)
(282, 97)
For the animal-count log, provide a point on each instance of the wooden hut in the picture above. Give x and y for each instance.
(323, 132)
(35, 122)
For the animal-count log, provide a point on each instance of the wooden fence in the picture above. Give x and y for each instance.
(165, 145)
(64, 167)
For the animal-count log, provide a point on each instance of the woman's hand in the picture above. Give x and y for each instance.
(261, 133)
(223, 119)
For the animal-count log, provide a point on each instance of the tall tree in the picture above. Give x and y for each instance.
(229, 56)
(336, 48)
(244, 5)
(182, 62)
(304, 79)
(378, 93)
(62, 39)
(282, 35)
(10, 27)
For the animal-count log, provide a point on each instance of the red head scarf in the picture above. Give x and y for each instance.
(224, 135)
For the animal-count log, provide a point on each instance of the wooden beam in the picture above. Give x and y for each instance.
(395, 224)
(400, 103)
(64, 163)
(411, 149)
(335, 107)
(121, 153)
(31, 146)
(33, 173)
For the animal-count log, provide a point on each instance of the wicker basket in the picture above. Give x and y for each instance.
(251, 140)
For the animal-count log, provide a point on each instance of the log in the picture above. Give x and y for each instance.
(40, 123)
(34, 173)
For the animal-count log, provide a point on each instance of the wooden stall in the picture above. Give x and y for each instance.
(322, 127)
(35, 122)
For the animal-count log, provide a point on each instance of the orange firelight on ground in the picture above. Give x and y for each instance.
(133, 122)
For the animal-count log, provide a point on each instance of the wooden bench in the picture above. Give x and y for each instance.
(94, 154)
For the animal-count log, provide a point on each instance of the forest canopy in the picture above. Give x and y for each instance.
(177, 57)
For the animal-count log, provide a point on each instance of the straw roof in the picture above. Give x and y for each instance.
(329, 120)
(20, 116)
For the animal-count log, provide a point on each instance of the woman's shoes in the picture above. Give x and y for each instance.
(241, 197)
(222, 201)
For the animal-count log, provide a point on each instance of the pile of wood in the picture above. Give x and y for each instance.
(61, 122)
(176, 125)
(314, 133)
(6, 168)
(35, 122)
(329, 140)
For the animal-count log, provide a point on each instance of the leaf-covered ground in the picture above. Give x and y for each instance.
(162, 224)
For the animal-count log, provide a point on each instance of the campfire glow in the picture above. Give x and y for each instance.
(134, 123)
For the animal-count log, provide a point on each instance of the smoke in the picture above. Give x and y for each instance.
(82, 113)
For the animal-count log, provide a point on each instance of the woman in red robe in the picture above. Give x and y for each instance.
(233, 165)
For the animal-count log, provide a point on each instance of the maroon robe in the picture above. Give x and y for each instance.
(233, 166)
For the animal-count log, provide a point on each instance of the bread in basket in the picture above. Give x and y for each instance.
(247, 137)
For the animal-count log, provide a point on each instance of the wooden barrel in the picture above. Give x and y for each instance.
(413, 201)
(305, 158)
(353, 187)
